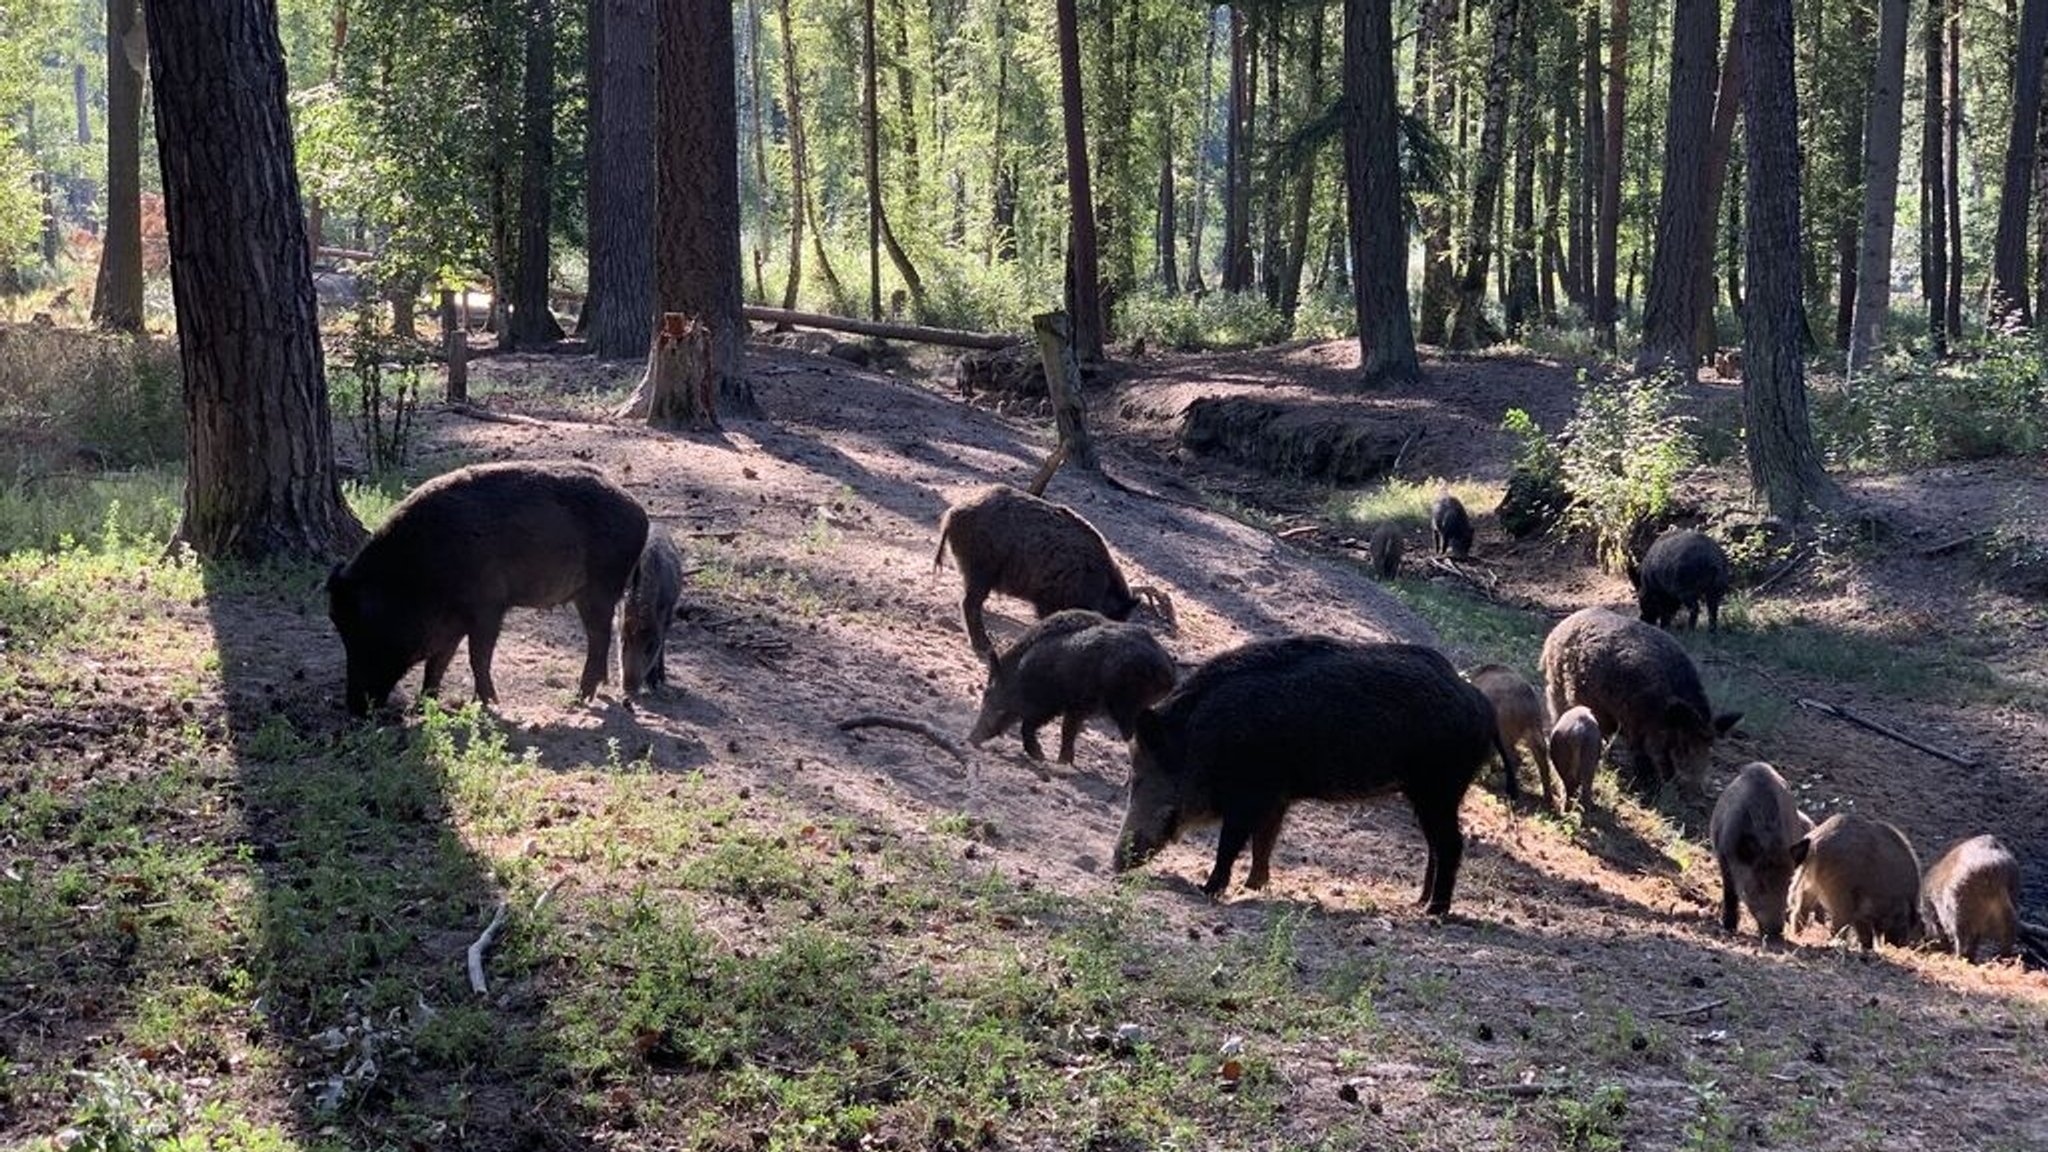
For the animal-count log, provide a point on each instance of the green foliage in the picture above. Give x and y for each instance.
(1912, 413)
(1404, 503)
(1190, 323)
(1622, 455)
(378, 387)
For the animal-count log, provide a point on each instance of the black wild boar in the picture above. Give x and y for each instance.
(1862, 874)
(1575, 747)
(466, 547)
(1755, 824)
(1681, 570)
(1518, 716)
(650, 608)
(1386, 551)
(1307, 718)
(1970, 897)
(1072, 664)
(1009, 541)
(1451, 526)
(1639, 682)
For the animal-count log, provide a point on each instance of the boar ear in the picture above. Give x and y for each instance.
(1726, 722)
(1800, 848)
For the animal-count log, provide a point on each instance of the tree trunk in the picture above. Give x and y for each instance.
(1592, 159)
(1199, 218)
(1469, 325)
(1553, 267)
(1522, 299)
(1436, 103)
(260, 481)
(1880, 186)
(904, 268)
(117, 293)
(454, 351)
(799, 161)
(679, 391)
(871, 155)
(757, 115)
(1847, 248)
(1236, 273)
(1002, 182)
(1784, 466)
(621, 312)
(1372, 169)
(2009, 302)
(80, 107)
(533, 322)
(593, 165)
(1953, 149)
(1933, 182)
(1609, 225)
(1084, 289)
(2039, 307)
(1304, 178)
(697, 181)
(1685, 221)
(1054, 331)
(1166, 237)
(1727, 102)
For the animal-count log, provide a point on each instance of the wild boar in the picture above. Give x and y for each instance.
(1755, 824)
(1073, 664)
(1519, 717)
(650, 608)
(1863, 875)
(1451, 526)
(1970, 897)
(1683, 569)
(1638, 682)
(1386, 549)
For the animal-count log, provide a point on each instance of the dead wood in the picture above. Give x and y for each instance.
(1047, 469)
(475, 412)
(1864, 722)
(905, 724)
(1700, 1009)
(914, 333)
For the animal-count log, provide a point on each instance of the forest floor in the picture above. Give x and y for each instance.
(230, 916)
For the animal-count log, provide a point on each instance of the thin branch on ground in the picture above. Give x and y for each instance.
(905, 724)
(1864, 722)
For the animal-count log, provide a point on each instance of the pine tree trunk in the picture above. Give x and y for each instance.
(1553, 268)
(1236, 269)
(697, 187)
(2039, 307)
(593, 164)
(117, 294)
(260, 480)
(1953, 150)
(1304, 179)
(1166, 238)
(1784, 466)
(799, 160)
(1198, 219)
(1002, 183)
(1084, 289)
(1933, 181)
(1372, 170)
(1880, 186)
(1608, 235)
(757, 115)
(1727, 103)
(1592, 159)
(1685, 221)
(1847, 246)
(871, 156)
(1469, 325)
(1436, 100)
(533, 322)
(1522, 300)
(621, 311)
(2009, 303)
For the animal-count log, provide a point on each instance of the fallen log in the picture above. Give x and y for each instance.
(915, 333)
(1841, 713)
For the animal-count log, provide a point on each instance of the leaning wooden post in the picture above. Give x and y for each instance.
(1063, 379)
(677, 391)
(455, 348)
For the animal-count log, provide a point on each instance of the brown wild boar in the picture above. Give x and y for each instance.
(1451, 526)
(1755, 824)
(1575, 746)
(1639, 683)
(1862, 874)
(1518, 713)
(1970, 897)
(650, 608)
(1386, 551)
(1073, 664)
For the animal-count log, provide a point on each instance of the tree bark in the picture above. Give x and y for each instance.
(1727, 103)
(1784, 466)
(1523, 297)
(1436, 103)
(678, 391)
(1886, 126)
(1372, 170)
(1609, 224)
(799, 161)
(697, 182)
(1166, 237)
(1933, 181)
(1685, 221)
(533, 321)
(622, 219)
(261, 481)
(1199, 218)
(1304, 178)
(871, 156)
(1054, 331)
(1953, 149)
(1592, 159)
(1469, 325)
(117, 293)
(2009, 303)
(454, 351)
(1236, 272)
(593, 165)
(1002, 182)
(1847, 236)
(1084, 289)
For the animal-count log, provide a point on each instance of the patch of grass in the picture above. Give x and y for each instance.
(1478, 631)
(1757, 637)
(46, 512)
(1591, 1122)
(1217, 320)
(1405, 503)
(70, 396)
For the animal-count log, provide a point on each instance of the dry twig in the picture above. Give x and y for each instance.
(1695, 1010)
(905, 724)
(1864, 722)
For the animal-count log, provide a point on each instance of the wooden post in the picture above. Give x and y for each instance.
(455, 347)
(678, 390)
(1063, 379)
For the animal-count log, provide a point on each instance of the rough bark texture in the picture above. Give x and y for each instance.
(1784, 466)
(117, 294)
(2009, 304)
(1379, 242)
(697, 180)
(1727, 103)
(593, 162)
(1436, 102)
(1236, 271)
(1166, 236)
(1608, 231)
(533, 322)
(871, 157)
(1847, 234)
(799, 158)
(1084, 289)
(1198, 219)
(1304, 191)
(1885, 128)
(1522, 299)
(260, 477)
(1954, 81)
(1934, 181)
(1685, 221)
(622, 216)
(1469, 326)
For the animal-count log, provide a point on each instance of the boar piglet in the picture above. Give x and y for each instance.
(650, 608)
(1073, 664)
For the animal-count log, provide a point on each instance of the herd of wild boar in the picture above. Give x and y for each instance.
(1237, 741)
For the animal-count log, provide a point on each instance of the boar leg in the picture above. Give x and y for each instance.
(970, 612)
(483, 641)
(1865, 936)
(596, 611)
(1730, 914)
(1446, 852)
(1713, 613)
(1031, 746)
(1264, 837)
(1692, 616)
(1070, 730)
(437, 667)
(1230, 842)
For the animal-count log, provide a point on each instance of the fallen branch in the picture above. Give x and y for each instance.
(1841, 713)
(904, 724)
(490, 417)
(1490, 583)
(916, 333)
(477, 983)
(1047, 469)
(1298, 531)
(1700, 1009)
(1523, 1091)
(1948, 546)
(1784, 570)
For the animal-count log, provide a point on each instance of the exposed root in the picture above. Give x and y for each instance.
(905, 724)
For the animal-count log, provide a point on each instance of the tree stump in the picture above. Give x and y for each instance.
(678, 389)
(455, 348)
(1055, 332)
